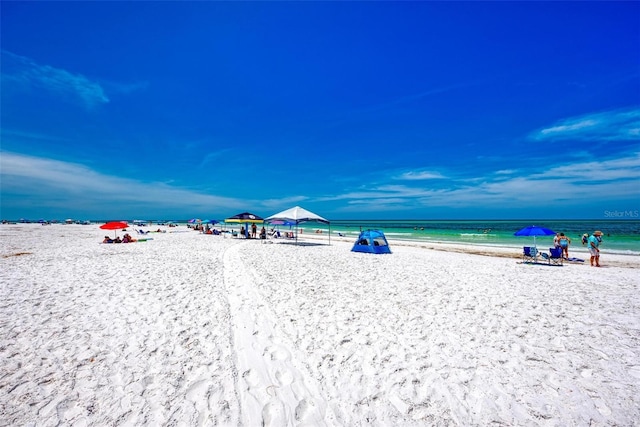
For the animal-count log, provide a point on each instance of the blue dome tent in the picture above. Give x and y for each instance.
(371, 242)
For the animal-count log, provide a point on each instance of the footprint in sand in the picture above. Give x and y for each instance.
(602, 407)
(273, 414)
(634, 371)
(284, 378)
(251, 377)
(277, 353)
(307, 411)
(197, 390)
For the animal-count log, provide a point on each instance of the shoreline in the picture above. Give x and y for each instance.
(623, 260)
(505, 251)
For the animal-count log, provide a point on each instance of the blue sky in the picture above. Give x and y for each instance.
(175, 110)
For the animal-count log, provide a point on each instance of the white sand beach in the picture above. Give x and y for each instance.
(198, 330)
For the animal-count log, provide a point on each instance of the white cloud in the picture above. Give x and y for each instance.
(31, 75)
(506, 172)
(54, 182)
(577, 183)
(579, 126)
(27, 180)
(419, 175)
(624, 168)
(615, 125)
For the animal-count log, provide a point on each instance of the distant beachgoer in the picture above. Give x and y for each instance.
(254, 230)
(585, 239)
(107, 239)
(556, 241)
(128, 239)
(564, 243)
(242, 231)
(594, 249)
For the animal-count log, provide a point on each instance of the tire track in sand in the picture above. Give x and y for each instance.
(275, 388)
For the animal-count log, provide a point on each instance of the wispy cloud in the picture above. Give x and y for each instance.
(72, 186)
(419, 175)
(22, 135)
(213, 156)
(286, 201)
(415, 97)
(616, 125)
(55, 183)
(33, 76)
(577, 183)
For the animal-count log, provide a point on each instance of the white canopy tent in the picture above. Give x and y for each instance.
(297, 215)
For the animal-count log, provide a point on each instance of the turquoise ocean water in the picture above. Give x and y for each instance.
(620, 236)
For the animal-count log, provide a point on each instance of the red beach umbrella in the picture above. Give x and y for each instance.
(114, 225)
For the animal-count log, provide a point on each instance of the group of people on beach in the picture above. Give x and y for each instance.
(125, 239)
(592, 242)
(252, 232)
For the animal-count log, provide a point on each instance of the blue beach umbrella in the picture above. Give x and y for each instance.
(534, 231)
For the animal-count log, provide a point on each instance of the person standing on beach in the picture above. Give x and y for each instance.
(594, 250)
(564, 243)
(254, 230)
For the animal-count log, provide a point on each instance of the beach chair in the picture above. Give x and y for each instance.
(529, 254)
(554, 257)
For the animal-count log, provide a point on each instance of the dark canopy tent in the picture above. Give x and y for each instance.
(245, 218)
